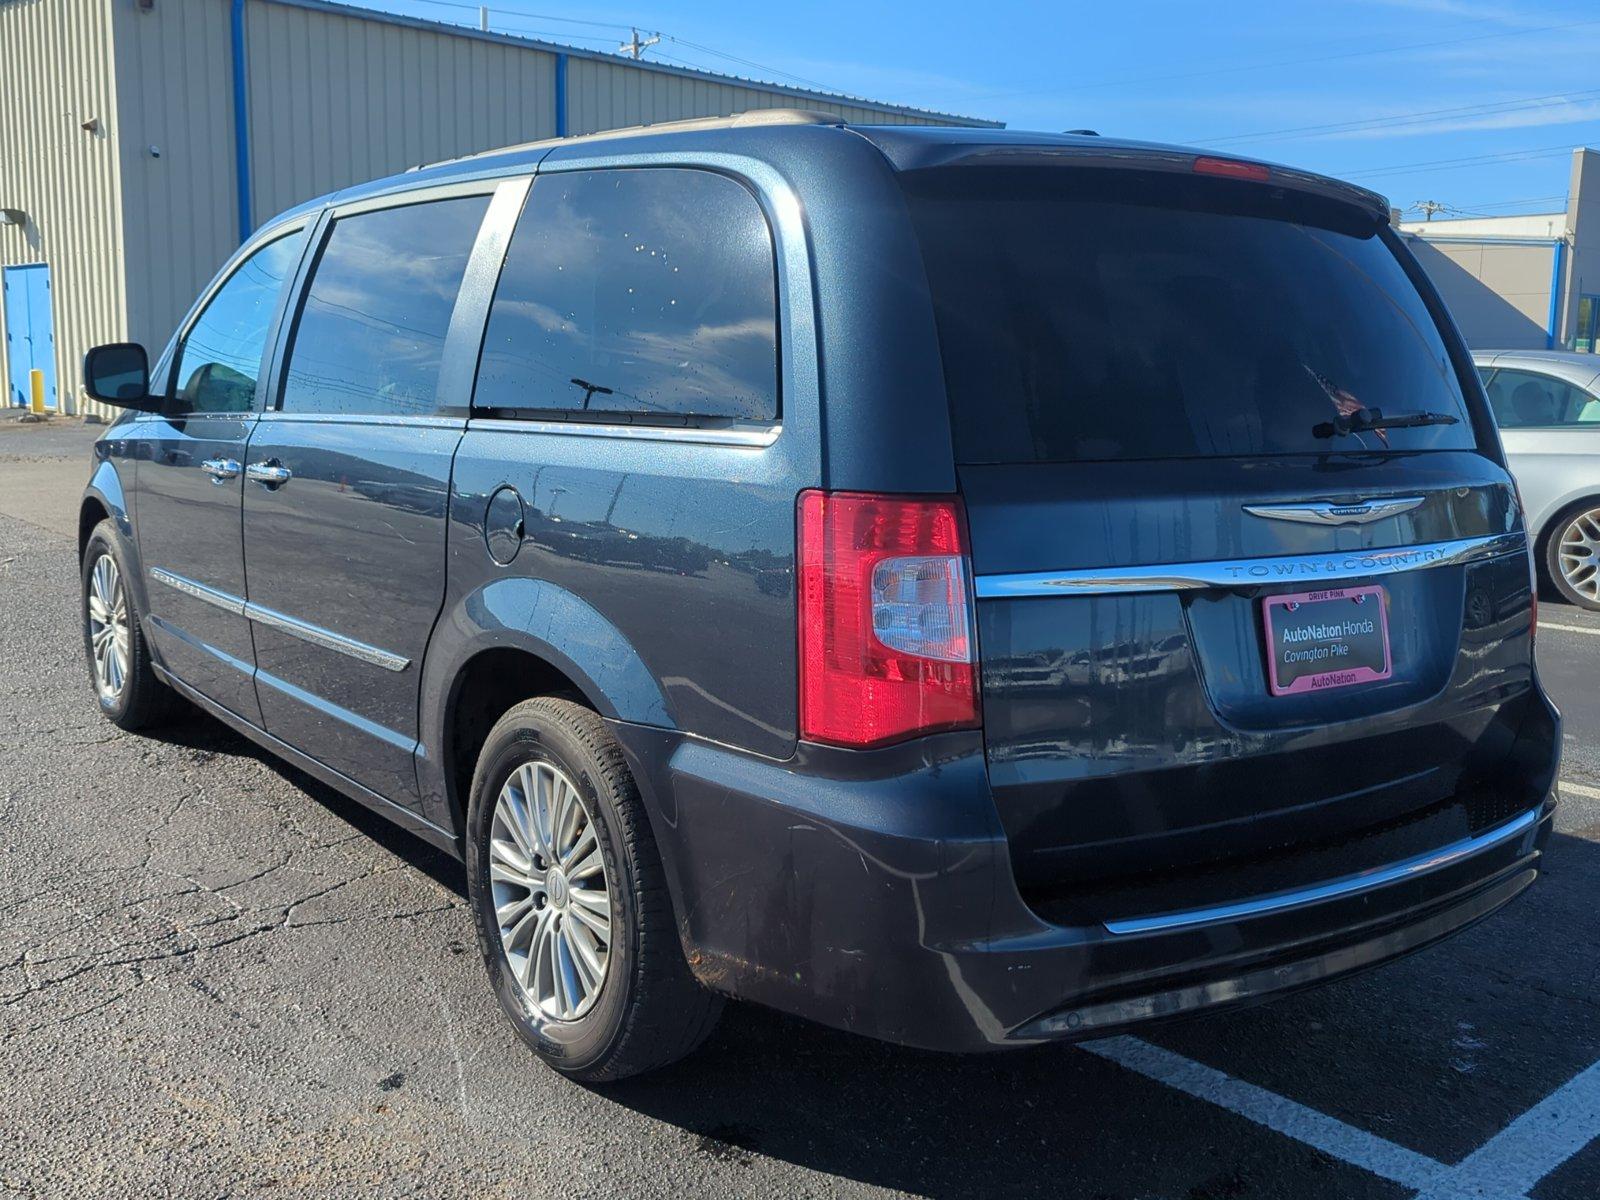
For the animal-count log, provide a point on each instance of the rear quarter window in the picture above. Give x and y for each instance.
(645, 293)
(1110, 314)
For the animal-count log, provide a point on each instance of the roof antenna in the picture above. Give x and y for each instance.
(1083, 132)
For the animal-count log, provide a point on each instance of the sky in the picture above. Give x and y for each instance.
(1474, 104)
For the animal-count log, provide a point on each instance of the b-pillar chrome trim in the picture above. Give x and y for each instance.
(262, 615)
(1248, 572)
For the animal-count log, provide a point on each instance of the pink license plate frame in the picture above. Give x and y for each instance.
(1311, 622)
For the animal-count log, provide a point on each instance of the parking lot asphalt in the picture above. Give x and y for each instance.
(220, 978)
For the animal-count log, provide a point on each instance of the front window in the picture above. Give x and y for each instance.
(1532, 400)
(220, 360)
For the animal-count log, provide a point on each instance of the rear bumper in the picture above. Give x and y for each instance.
(874, 893)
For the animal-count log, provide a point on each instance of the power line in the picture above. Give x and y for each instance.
(1404, 119)
(1475, 160)
(746, 62)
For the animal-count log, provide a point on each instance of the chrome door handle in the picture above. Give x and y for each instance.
(270, 473)
(221, 468)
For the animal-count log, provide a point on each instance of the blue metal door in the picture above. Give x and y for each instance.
(30, 333)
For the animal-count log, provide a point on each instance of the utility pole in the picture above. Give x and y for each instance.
(1429, 207)
(635, 47)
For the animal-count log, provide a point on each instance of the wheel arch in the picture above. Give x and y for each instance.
(509, 641)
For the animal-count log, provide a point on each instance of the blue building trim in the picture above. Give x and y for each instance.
(561, 95)
(1552, 330)
(241, 122)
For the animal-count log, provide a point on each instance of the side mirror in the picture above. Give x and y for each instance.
(119, 374)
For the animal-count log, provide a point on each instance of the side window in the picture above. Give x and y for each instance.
(1529, 400)
(647, 292)
(220, 359)
(371, 330)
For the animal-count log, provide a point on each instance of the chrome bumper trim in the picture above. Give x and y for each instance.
(1248, 572)
(1334, 889)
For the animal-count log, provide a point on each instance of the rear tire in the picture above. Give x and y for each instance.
(1572, 555)
(125, 684)
(570, 900)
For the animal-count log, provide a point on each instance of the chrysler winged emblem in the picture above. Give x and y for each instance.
(1328, 512)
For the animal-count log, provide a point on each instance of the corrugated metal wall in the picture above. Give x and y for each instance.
(336, 96)
(57, 75)
(612, 95)
(336, 99)
(174, 93)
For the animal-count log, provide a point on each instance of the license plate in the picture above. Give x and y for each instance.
(1317, 641)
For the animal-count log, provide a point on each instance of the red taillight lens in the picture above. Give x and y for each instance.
(1232, 168)
(885, 621)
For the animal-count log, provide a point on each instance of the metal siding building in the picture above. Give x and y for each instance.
(128, 220)
(1527, 282)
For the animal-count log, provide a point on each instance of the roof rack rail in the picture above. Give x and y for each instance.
(741, 120)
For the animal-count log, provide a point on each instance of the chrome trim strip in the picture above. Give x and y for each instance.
(222, 600)
(1334, 889)
(262, 615)
(1328, 512)
(752, 434)
(1248, 572)
(325, 638)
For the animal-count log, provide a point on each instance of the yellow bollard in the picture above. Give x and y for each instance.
(36, 386)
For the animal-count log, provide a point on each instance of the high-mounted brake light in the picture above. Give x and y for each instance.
(886, 644)
(1232, 168)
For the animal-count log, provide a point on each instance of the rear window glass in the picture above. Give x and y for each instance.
(647, 293)
(1100, 315)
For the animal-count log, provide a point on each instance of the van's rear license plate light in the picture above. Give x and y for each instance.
(1317, 641)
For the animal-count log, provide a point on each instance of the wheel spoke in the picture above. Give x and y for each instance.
(585, 955)
(582, 846)
(586, 866)
(596, 921)
(561, 814)
(539, 777)
(538, 949)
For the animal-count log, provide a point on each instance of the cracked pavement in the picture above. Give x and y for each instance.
(220, 978)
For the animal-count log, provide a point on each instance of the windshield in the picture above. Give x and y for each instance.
(1113, 314)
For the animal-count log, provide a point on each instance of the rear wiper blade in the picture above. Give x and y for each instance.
(1364, 419)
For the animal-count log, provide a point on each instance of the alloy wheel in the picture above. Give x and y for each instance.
(551, 896)
(1579, 554)
(108, 627)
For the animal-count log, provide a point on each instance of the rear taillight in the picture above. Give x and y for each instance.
(885, 621)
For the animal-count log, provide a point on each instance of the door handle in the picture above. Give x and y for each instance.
(221, 469)
(271, 472)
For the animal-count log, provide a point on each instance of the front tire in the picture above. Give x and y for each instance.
(130, 695)
(570, 901)
(1572, 555)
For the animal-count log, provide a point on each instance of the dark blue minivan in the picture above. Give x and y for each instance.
(970, 588)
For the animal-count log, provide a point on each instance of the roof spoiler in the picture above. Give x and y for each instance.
(1115, 156)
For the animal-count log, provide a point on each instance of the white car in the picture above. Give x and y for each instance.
(1547, 403)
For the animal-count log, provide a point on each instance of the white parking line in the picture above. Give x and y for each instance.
(1543, 625)
(1579, 789)
(1528, 1149)
(1506, 1167)
(1328, 1134)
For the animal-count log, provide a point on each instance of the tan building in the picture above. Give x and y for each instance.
(1522, 283)
(142, 138)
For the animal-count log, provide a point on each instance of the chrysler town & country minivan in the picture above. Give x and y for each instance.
(970, 588)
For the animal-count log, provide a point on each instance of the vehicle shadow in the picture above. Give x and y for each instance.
(1437, 1052)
